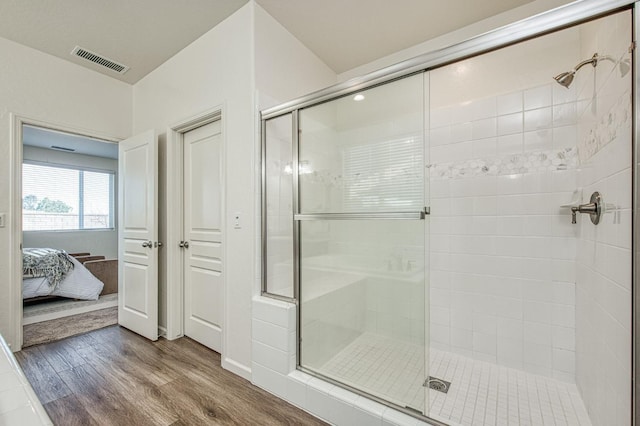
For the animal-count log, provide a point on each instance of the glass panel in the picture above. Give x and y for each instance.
(363, 153)
(362, 301)
(279, 211)
(363, 306)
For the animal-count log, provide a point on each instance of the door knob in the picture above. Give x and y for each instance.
(157, 244)
(186, 244)
(147, 244)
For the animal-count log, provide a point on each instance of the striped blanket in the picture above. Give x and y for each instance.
(50, 263)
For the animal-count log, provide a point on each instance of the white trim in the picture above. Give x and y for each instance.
(174, 219)
(236, 368)
(162, 331)
(70, 311)
(17, 121)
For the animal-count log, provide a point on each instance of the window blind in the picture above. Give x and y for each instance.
(59, 198)
(384, 176)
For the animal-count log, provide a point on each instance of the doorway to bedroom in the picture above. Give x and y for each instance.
(69, 234)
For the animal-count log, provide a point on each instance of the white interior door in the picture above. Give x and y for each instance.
(138, 234)
(203, 263)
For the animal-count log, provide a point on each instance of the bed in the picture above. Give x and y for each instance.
(49, 273)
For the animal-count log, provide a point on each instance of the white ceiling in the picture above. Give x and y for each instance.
(44, 138)
(346, 34)
(139, 33)
(144, 33)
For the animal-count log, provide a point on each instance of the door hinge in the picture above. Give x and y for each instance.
(632, 47)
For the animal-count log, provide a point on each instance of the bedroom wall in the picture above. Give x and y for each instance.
(95, 241)
(50, 89)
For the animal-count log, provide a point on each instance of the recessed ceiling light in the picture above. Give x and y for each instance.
(359, 97)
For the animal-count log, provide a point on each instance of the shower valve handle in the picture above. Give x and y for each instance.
(593, 209)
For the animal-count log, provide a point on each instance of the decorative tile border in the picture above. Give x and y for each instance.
(530, 162)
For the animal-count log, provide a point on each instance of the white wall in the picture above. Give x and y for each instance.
(603, 282)
(220, 69)
(46, 88)
(284, 68)
(215, 70)
(96, 241)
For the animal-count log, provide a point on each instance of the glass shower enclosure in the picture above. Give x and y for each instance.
(361, 223)
(423, 226)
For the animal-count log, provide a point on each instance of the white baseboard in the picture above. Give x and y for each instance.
(237, 368)
(173, 337)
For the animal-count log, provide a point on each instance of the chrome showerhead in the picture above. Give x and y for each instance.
(565, 79)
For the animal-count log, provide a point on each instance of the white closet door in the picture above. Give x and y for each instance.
(203, 279)
(138, 234)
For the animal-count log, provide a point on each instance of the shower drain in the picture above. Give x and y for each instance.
(437, 384)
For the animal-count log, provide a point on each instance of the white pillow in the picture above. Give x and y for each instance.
(79, 283)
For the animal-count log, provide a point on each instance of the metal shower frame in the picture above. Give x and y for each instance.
(560, 18)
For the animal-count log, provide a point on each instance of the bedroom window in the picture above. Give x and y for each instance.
(58, 198)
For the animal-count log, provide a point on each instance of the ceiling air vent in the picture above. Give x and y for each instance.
(62, 148)
(100, 60)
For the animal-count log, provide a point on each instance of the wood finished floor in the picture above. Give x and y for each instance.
(112, 376)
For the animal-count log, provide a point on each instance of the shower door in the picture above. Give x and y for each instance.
(360, 220)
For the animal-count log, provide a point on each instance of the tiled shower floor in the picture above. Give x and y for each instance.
(481, 393)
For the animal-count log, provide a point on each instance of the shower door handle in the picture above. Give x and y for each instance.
(419, 215)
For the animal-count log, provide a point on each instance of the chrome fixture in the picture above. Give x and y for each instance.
(593, 209)
(146, 244)
(566, 78)
(419, 215)
(437, 384)
(184, 244)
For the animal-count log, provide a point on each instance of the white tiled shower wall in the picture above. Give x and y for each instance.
(502, 247)
(603, 290)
